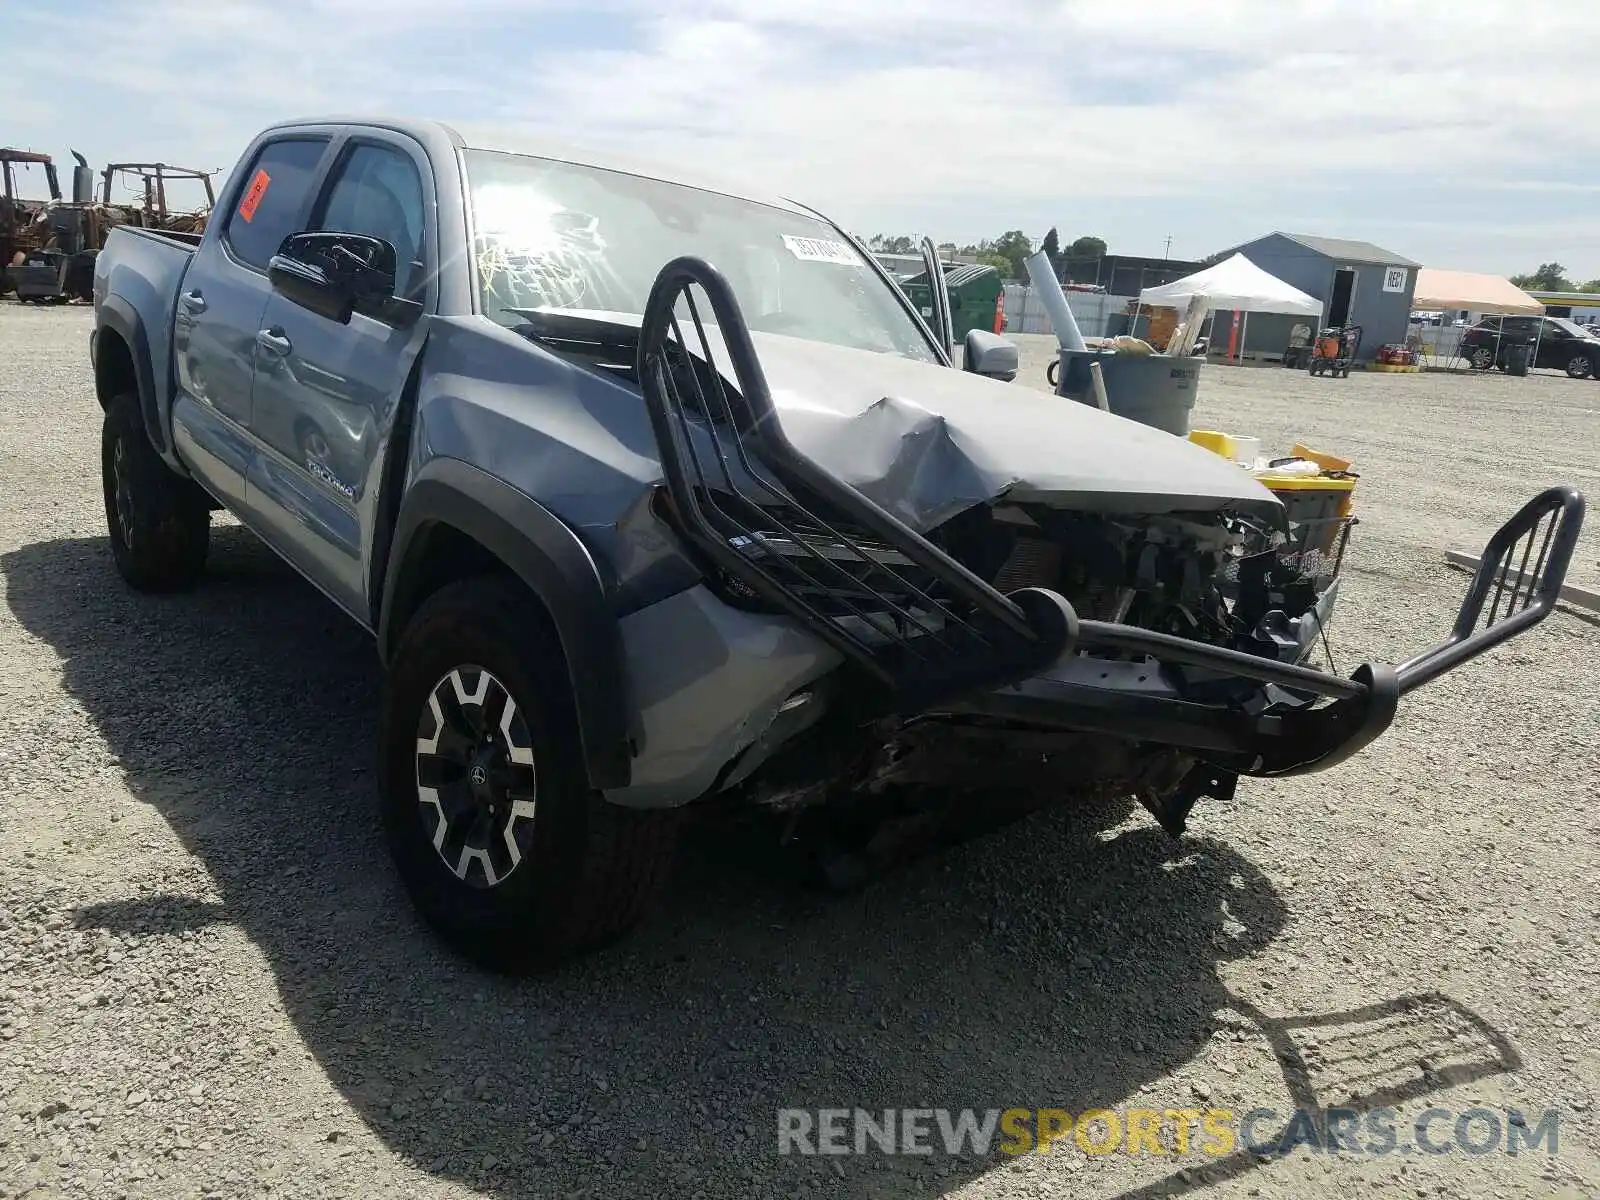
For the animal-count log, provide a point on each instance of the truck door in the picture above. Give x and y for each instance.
(325, 393)
(939, 289)
(219, 310)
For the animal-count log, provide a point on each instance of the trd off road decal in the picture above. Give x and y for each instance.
(253, 194)
(821, 250)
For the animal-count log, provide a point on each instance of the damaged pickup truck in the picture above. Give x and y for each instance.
(653, 492)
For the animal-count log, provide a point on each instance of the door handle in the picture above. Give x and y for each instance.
(272, 342)
(193, 301)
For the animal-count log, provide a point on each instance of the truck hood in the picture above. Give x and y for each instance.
(926, 442)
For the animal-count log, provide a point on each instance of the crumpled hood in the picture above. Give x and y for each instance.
(926, 442)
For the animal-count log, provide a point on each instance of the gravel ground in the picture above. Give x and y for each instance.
(212, 986)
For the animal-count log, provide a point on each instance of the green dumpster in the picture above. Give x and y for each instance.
(974, 290)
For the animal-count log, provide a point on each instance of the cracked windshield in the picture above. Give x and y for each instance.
(553, 236)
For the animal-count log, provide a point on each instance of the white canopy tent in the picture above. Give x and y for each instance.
(1233, 285)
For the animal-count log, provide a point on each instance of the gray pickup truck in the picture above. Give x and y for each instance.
(654, 491)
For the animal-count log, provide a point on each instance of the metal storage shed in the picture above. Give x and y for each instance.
(1357, 282)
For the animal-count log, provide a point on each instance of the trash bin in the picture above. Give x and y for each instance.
(974, 291)
(1518, 356)
(1153, 389)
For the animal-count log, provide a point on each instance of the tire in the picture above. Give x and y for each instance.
(1580, 366)
(533, 866)
(1480, 358)
(159, 522)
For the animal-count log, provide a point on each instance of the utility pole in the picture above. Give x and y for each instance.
(1166, 251)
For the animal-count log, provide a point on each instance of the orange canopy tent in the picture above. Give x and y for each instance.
(1438, 289)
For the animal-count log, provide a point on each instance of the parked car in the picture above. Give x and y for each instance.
(1559, 344)
(653, 491)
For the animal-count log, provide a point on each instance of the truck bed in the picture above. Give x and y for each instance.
(189, 239)
(137, 276)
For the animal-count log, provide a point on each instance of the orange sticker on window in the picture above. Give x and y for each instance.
(253, 194)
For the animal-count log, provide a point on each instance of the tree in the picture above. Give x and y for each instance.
(1014, 246)
(1592, 286)
(1080, 262)
(1086, 247)
(1550, 277)
(1052, 247)
(896, 244)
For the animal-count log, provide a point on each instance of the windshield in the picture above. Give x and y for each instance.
(553, 235)
(1569, 327)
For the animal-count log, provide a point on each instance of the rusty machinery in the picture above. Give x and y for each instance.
(51, 258)
(150, 186)
(19, 230)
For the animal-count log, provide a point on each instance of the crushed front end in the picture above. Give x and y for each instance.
(1161, 654)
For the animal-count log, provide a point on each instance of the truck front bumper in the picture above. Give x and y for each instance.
(1027, 656)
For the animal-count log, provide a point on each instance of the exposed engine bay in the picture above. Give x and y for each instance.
(1220, 578)
(1174, 574)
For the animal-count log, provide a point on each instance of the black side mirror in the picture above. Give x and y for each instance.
(337, 274)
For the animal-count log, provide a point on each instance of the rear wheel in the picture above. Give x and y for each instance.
(502, 845)
(159, 522)
(1481, 358)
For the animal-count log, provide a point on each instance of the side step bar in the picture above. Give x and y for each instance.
(1552, 520)
(782, 529)
(1291, 732)
(920, 624)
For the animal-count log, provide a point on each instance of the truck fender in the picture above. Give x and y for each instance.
(117, 315)
(546, 555)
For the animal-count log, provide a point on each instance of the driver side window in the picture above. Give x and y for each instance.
(377, 191)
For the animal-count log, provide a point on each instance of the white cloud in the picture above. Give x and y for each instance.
(1212, 122)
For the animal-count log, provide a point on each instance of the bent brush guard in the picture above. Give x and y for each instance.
(920, 624)
(933, 635)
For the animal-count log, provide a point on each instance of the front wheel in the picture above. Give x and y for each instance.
(159, 522)
(503, 847)
(1580, 366)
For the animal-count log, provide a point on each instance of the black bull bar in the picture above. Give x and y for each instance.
(738, 487)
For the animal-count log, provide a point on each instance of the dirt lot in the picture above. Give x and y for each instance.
(211, 985)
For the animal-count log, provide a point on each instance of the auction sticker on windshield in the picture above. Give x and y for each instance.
(821, 250)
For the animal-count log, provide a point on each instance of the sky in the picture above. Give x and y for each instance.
(1460, 135)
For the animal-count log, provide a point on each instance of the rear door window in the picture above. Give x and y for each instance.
(277, 188)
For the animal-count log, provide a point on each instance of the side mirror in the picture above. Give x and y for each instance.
(337, 274)
(990, 354)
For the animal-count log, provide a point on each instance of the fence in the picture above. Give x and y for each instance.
(1025, 311)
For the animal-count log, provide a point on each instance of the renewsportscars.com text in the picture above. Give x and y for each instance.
(1212, 1132)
